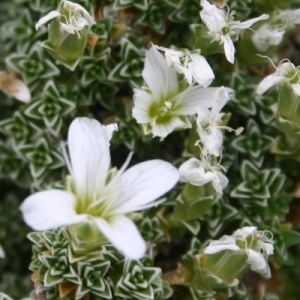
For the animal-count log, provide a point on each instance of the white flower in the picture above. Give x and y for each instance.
(285, 71)
(193, 65)
(163, 106)
(271, 34)
(14, 87)
(199, 172)
(99, 195)
(222, 26)
(209, 120)
(266, 36)
(257, 244)
(289, 17)
(73, 17)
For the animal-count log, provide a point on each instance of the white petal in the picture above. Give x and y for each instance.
(109, 130)
(124, 235)
(213, 141)
(50, 209)
(249, 23)
(229, 48)
(192, 97)
(187, 167)
(221, 183)
(160, 78)
(256, 260)
(51, 15)
(268, 248)
(213, 17)
(224, 243)
(144, 183)
(201, 70)
(268, 82)
(164, 129)
(221, 97)
(244, 232)
(89, 153)
(142, 104)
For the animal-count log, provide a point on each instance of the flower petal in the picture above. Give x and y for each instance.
(144, 183)
(249, 23)
(213, 17)
(51, 15)
(220, 183)
(124, 235)
(160, 78)
(256, 260)
(50, 209)
(192, 97)
(88, 144)
(201, 70)
(224, 243)
(229, 48)
(163, 129)
(268, 82)
(142, 103)
(213, 141)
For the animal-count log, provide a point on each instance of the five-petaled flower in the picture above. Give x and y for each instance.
(163, 105)
(98, 194)
(222, 26)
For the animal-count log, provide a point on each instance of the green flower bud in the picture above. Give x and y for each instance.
(68, 31)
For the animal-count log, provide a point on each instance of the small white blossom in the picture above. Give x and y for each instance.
(257, 244)
(193, 66)
(266, 36)
(73, 17)
(285, 71)
(199, 172)
(222, 26)
(209, 122)
(99, 195)
(14, 87)
(271, 34)
(163, 105)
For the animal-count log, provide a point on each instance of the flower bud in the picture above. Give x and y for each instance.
(67, 32)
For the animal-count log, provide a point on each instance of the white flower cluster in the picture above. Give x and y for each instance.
(164, 106)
